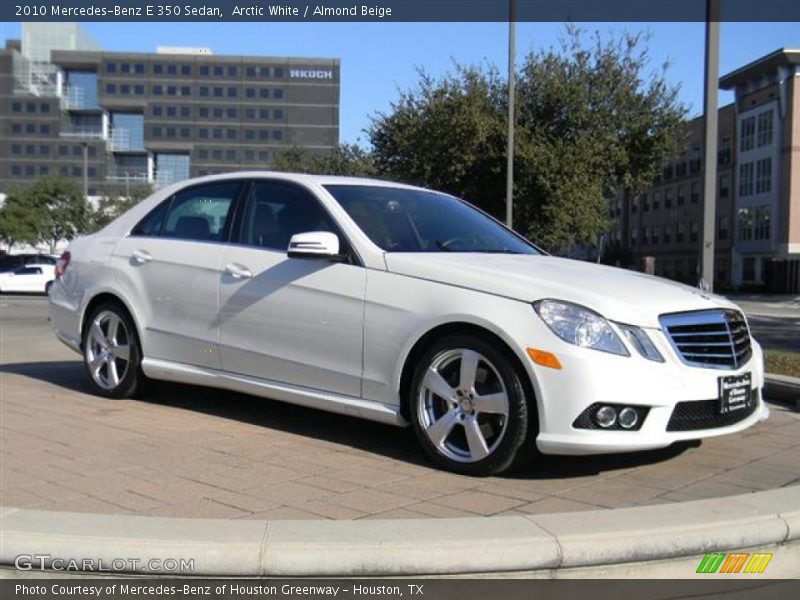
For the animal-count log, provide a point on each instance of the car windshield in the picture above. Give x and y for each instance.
(409, 220)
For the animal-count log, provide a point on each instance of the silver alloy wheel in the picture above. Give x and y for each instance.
(462, 405)
(108, 350)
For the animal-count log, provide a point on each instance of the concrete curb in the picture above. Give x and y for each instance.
(411, 546)
(782, 387)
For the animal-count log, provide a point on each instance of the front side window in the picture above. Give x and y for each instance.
(274, 212)
(411, 220)
(201, 213)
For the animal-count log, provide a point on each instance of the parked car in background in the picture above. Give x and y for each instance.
(405, 306)
(11, 262)
(34, 277)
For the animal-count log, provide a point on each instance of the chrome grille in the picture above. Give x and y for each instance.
(709, 338)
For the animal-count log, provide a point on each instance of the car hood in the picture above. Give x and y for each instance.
(618, 294)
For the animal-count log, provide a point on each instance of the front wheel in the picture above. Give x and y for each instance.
(468, 405)
(111, 352)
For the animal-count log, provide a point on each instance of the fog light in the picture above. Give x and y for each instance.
(628, 418)
(606, 416)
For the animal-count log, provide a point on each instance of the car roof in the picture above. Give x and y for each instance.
(303, 178)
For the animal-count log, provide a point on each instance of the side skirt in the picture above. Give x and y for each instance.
(345, 405)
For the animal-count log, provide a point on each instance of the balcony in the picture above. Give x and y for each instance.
(121, 140)
(82, 132)
(76, 98)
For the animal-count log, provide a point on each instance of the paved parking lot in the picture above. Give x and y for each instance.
(188, 451)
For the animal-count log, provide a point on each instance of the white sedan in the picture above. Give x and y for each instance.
(405, 306)
(32, 278)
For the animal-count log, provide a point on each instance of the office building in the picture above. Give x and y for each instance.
(119, 119)
(757, 243)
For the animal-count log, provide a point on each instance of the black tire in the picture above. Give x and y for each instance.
(47, 287)
(133, 380)
(496, 373)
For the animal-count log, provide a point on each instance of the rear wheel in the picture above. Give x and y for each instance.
(112, 353)
(47, 287)
(468, 405)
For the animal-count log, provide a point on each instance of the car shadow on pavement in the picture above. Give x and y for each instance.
(386, 440)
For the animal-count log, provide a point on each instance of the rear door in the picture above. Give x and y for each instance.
(292, 320)
(170, 264)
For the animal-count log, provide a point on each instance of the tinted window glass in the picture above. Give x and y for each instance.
(151, 225)
(28, 271)
(201, 213)
(408, 220)
(274, 212)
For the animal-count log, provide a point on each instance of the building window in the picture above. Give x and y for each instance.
(217, 133)
(158, 90)
(218, 92)
(232, 72)
(634, 235)
(748, 134)
(762, 223)
(217, 113)
(231, 113)
(216, 154)
(30, 149)
(250, 113)
(16, 149)
(264, 71)
(16, 170)
(249, 155)
(277, 113)
(722, 228)
(250, 93)
(764, 136)
(16, 128)
(125, 89)
(724, 186)
(249, 134)
(170, 131)
(668, 198)
(44, 150)
(680, 234)
(186, 70)
(204, 70)
(250, 71)
(203, 133)
(230, 155)
(231, 134)
(63, 150)
(746, 179)
(763, 176)
(654, 235)
(138, 90)
(656, 199)
(202, 153)
(277, 94)
(218, 71)
(44, 129)
(30, 128)
(45, 108)
(695, 192)
(125, 68)
(724, 154)
(279, 72)
(749, 269)
(139, 68)
(693, 231)
(186, 90)
(263, 134)
(667, 233)
(203, 112)
(16, 107)
(264, 93)
(111, 67)
(681, 195)
(203, 90)
(172, 111)
(745, 224)
(185, 132)
(185, 111)
(231, 92)
(157, 111)
(645, 202)
(172, 69)
(156, 131)
(171, 90)
(111, 88)
(263, 114)
(277, 135)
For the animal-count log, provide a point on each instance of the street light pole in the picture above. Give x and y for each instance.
(711, 94)
(511, 114)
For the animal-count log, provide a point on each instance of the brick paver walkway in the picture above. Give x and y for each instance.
(195, 452)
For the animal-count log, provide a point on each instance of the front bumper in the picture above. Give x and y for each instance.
(588, 377)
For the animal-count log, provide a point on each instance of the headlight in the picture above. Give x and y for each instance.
(641, 341)
(580, 326)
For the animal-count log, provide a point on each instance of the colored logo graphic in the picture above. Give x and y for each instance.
(734, 562)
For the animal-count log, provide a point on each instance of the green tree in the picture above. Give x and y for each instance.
(20, 221)
(344, 159)
(63, 208)
(593, 120)
(112, 205)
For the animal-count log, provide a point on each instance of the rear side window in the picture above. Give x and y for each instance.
(198, 213)
(151, 225)
(201, 213)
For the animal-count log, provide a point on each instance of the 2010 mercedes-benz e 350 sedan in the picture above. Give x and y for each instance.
(401, 305)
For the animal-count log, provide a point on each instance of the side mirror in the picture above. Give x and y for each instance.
(314, 244)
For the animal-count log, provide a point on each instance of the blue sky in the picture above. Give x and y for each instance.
(380, 58)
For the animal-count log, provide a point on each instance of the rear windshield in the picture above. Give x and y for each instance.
(409, 220)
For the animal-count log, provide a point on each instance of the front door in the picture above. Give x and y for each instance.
(291, 320)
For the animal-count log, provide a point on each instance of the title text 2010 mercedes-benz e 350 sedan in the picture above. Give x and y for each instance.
(400, 304)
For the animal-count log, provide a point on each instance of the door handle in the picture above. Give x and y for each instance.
(142, 256)
(237, 271)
